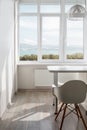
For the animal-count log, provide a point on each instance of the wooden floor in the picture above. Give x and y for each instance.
(34, 111)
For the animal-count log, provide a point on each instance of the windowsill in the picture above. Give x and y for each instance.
(50, 63)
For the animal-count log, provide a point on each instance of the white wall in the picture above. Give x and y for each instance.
(26, 77)
(6, 53)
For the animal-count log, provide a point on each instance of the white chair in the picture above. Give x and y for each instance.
(71, 92)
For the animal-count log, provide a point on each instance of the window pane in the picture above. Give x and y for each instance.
(50, 37)
(28, 38)
(74, 48)
(50, 8)
(27, 8)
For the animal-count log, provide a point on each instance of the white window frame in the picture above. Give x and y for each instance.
(62, 55)
(73, 60)
(48, 60)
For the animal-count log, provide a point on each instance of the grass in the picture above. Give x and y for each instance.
(75, 56)
(33, 57)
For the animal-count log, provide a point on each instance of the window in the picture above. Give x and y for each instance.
(46, 34)
(28, 38)
(27, 8)
(74, 46)
(74, 42)
(50, 37)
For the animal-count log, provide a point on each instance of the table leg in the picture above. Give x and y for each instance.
(55, 102)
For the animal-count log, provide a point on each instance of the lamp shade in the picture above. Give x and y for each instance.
(77, 11)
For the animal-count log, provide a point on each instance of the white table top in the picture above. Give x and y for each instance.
(67, 68)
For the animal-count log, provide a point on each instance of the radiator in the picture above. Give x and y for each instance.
(43, 78)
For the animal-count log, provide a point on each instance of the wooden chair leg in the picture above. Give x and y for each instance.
(63, 117)
(59, 111)
(81, 116)
(76, 111)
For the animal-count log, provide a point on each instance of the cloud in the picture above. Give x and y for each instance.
(30, 42)
(28, 24)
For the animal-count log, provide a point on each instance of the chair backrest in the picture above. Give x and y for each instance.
(73, 91)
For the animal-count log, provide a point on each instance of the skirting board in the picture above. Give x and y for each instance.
(35, 90)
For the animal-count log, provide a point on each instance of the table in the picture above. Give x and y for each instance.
(59, 69)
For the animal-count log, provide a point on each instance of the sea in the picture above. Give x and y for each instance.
(28, 50)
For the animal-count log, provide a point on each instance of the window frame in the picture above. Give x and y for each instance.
(62, 38)
(73, 60)
(48, 15)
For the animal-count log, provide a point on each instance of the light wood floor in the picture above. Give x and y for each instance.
(34, 111)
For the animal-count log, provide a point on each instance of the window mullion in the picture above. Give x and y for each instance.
(39, 32)
(65, 39)
(62, 30)
(84, 34)
(84, 38)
